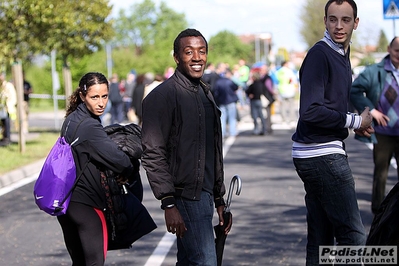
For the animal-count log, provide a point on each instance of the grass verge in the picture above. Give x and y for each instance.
(35, 149)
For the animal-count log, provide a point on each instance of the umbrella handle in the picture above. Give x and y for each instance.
(235, 179)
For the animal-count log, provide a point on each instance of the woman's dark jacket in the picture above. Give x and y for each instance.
(92, 147)
(173, 139)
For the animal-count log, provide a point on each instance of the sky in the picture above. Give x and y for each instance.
(280, 18)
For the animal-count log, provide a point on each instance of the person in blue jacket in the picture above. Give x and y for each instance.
(225, 94)
(377, 87)
(318, 149)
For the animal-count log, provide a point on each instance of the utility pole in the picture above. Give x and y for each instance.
(108, 49)
(56, 87)
(19, 87)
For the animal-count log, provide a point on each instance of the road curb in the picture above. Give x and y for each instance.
(21, 173)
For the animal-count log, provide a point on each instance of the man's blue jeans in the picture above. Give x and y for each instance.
(116, 113)
(332, 209)
(257, 112)
(197, 247)
(229, 116)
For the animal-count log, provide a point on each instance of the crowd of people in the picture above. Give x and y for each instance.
(232, 87)
(235, 87)
(229, 84)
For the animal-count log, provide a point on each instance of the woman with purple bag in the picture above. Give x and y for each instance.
(84, 224)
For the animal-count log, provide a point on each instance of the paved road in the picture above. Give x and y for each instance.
(269, 215)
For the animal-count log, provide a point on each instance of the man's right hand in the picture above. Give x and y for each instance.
(365, 129)
(174, 222)
(366, 119)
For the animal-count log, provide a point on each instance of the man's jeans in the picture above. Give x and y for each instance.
(332, 209)
(229, 116)
(116, 113)
(257, 112)
(197, 247)
(287, 109)
(383, 151)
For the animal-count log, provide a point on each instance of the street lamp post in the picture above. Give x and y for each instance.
(266, 37)
(257, 49)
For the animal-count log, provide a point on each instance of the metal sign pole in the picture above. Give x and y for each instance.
(19, 86)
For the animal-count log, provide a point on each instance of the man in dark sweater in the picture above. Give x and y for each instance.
(318, 150)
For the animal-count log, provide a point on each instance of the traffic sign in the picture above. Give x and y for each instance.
(391, 9)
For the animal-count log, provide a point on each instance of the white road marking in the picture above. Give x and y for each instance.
(18, 184)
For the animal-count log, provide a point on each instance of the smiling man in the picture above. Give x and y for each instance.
(318, 150)
(182, 152)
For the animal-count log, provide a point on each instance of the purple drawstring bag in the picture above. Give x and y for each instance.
(53, 187)
(57, 179)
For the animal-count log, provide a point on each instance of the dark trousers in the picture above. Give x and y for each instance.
(6, 130)
(332, 211)
(85, 234)
(116, 112)
(386, 147)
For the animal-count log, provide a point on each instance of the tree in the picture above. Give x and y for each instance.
(312, 17)
(167, 25)
(133, 26)
(225, 46)
(84, 30)
(146, 33)
(73, 28)
(382, 42)
(15, 27)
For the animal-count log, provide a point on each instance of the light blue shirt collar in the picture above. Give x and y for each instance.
(339, 48)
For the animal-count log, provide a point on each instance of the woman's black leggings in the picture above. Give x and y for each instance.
(85, 234)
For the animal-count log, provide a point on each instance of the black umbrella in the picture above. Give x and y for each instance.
(219, 229)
